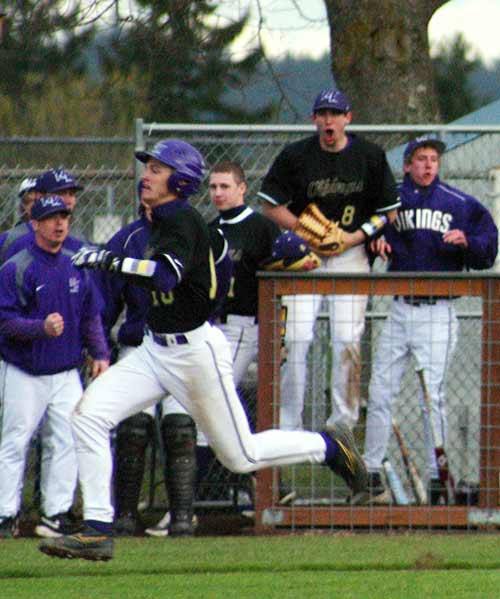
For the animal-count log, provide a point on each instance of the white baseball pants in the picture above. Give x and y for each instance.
(429, 334)
(347, 323)
(199, 375)
(26, 400)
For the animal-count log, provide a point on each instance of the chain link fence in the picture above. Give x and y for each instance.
(109, 174)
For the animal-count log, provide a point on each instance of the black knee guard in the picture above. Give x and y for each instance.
(179, 438)
(132, 439)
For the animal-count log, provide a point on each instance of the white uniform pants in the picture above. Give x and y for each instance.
(199, 375)
(25, 401)
(429, 334)
(169, 405)
(347, 322)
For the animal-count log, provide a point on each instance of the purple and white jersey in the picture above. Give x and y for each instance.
(34, 284)
(425, 215)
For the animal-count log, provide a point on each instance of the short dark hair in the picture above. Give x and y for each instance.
(229, 166)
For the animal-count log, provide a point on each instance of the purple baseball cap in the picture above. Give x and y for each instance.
(332, 99)
(56, 180)
(45, 207)
(421, 142)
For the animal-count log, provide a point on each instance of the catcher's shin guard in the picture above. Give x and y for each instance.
(179, 438)
(132, 439)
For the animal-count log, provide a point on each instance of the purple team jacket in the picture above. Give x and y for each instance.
(425, 214)
(33, 284)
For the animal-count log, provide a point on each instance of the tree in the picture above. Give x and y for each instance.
(38, 41)
(185, 62)
(164, 55)
(453, 69)
(380, 56)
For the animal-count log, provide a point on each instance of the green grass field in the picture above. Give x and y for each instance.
(344, 565)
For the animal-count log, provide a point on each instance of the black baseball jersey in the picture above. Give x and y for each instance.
(348, 186)
(180, 236)
(250, 236)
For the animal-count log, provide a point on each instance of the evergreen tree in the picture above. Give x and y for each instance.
(453, 68)
(185, 62)
(39, 41)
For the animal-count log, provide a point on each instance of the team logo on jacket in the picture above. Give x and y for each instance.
(423, 218)
(74, 284)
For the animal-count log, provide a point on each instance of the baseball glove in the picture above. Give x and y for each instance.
(322, 234)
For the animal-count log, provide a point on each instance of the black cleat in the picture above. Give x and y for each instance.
(348, 462)
(181, 524)
(125, 526)
(88, 544)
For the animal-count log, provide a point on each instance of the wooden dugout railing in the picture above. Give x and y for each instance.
(272, 286)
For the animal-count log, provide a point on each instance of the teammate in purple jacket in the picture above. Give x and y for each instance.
(438, 228)
(49, 313)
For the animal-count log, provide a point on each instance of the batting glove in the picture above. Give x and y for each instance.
(97, 259)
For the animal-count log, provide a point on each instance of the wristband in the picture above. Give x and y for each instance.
(143, 268)
(374, 225)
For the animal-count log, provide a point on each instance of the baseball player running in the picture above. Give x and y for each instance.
(347, 186)
(177, 429)
(438, 228)
(49, 312)
(181, 353)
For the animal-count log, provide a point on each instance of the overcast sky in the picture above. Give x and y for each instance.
(299, 27)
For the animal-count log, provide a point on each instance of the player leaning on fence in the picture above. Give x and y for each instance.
(349, 181)
(181, 353)
(439, 228)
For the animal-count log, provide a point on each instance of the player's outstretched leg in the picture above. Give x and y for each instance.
(345, 460)
(90, 544)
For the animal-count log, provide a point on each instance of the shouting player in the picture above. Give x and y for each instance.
(349, 181)
(181, 353)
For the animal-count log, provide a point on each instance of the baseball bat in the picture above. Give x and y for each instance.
(397, 490)
(411, 470)
(445, 475)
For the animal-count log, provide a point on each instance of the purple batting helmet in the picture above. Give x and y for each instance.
(56, 180)
(186, 161)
